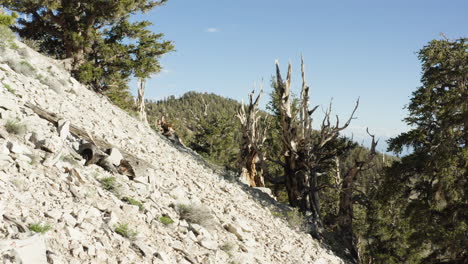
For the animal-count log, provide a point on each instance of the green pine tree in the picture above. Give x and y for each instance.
(104, 47)
(426, 193)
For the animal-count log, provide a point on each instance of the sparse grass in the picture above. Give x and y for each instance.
(166, 220)
(9, 88)
(132, 201)
(125, 231)
(15, 127)
(195, 214)
(109, 183)
(39, 228)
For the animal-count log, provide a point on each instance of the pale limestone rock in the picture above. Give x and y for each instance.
(130, 209)
(143, 248)
(29, 250)
(18, 148)
(69, 219)
(114, 157)
(74, 234)
(209, 244)
(54, 214)
(8, 103)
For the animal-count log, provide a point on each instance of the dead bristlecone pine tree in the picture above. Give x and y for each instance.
(253, 128)
(303, 148)
(141, 101)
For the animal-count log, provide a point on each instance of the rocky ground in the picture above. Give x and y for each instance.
(177, 209)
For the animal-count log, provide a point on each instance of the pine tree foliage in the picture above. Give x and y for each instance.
(104, 47)
(426, 192)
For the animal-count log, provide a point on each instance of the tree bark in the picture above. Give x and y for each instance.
(141, 101)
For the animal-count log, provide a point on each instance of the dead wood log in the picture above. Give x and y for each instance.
(126, 168)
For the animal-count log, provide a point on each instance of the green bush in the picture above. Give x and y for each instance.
(125, 231)
(109, 183)
(132, 201)
(166, 220)
(38, 228)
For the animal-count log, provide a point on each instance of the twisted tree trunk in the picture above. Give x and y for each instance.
(253, 137)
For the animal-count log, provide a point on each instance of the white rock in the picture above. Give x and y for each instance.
(30, 250)
(5, 157)
(130, 209)
(143, 248)
(54, 214)
(64, 129)
(235, 230)
(74, 234)
(8, 103)
(209, 244)
(115, 157)
(69, 219)
(18, 148)
(3, 148)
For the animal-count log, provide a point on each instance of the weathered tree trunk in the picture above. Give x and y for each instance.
(253, 137)
(141, 101)
(346, 212)
(303, 149)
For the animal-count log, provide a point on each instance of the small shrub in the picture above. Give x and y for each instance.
(132, 201)
(15, 127)
(109, 183)
(166, 220)
(125, 231)
(38, 228)
(9, 88)
(195, 214)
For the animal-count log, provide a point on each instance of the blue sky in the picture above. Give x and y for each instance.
(358, 48)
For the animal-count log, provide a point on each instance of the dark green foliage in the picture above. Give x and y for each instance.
(7, 20)
(109, 183)
(205, 122)
(39, 228)
(125, 231)
(132, 201)
(104, 47)
(166, 220)
(424, 202)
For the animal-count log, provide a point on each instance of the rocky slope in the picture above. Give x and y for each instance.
(54, 209)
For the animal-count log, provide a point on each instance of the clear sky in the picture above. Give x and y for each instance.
(352, 48)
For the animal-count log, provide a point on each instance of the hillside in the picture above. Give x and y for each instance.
(57, 210)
